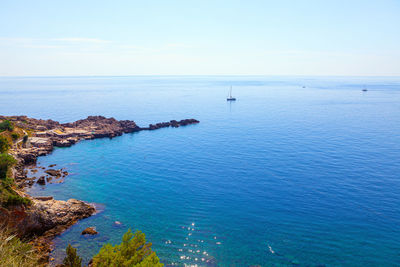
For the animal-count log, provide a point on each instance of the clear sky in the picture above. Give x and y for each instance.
(217, 37)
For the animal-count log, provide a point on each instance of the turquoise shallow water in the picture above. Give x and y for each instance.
(284, 176)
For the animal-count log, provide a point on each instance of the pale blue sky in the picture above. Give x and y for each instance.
(199, 37)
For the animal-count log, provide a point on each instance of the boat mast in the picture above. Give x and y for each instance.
(230, 95)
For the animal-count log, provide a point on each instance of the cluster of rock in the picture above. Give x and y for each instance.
(172, 123)
(28, 176)
(47, 134)
(51, 173)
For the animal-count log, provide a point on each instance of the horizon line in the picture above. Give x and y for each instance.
(198, 75)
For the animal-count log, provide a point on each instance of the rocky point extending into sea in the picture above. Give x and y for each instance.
(45, 217)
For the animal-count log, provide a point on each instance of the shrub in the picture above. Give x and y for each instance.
(133, 251)
(15, 199)
(6, 125)
(15, 136)
(72, 259)
(4, 146)
(6, 161)
(25, 139)
(14, 252)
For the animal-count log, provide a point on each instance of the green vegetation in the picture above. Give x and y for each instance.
(6, 162)
(25, 139)
(8, 196)
(15, 136)
(72, 259)
(4, 146)
(14, 252)
(6, 126)
(133, 251)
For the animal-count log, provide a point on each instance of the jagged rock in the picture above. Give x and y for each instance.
(28, 157)
(44, 218)
(89, 231)
(41, 180)
(54, 215)
(172, 123)
(44, 198)
(53, 172)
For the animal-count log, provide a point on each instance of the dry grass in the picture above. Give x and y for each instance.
(58, 131)
(14, 252)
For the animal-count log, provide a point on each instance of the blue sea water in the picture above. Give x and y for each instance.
(284, 176)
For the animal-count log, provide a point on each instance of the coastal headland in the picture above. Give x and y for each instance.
(44, 217)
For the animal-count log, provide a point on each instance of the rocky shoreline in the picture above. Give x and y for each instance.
(47, 134)
(45, 217)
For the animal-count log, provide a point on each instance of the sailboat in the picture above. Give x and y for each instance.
(365, 89)
(230, 97)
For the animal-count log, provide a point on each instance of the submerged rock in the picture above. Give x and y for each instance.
(89, 231)
(52, 172)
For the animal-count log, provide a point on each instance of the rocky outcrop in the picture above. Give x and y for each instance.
(49, 134)
(45, 218)
(101, 126)
(50, 214)
(172, 123)
(45, 214)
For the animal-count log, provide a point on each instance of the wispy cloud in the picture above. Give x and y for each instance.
(178, 45)
(86, 42)
(53, 42)
(81, 40)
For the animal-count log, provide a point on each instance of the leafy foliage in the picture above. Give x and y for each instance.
(133, 251)
(15, 136)
(6, 161)
(4, 146)
(72, 259)
(8, 196)
(15, 199)
(6, 126)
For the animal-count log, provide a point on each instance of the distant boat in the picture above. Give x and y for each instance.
(230, 97)
(364, 89)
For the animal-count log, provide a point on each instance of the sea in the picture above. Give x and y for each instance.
(298, 171)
